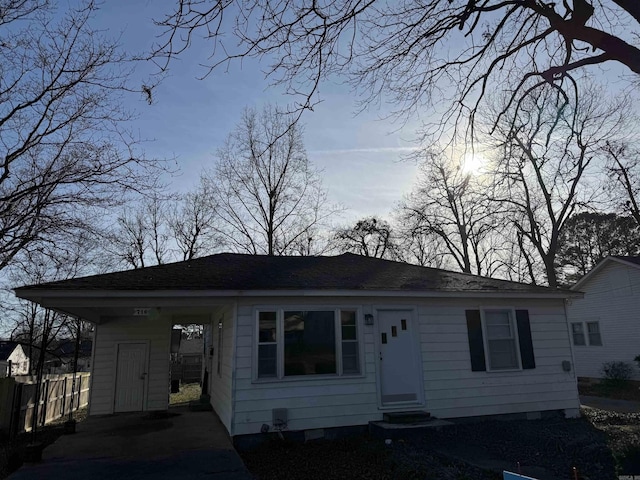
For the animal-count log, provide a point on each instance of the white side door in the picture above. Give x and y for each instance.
(131, 377)
(400, 368)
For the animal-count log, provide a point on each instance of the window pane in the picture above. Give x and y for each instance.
(498, 324)
(348, 321)
(350, 358)
(309, 343)
(594, 333)
(578, 334)
(502, 354)
(267, 364)
(267, 327)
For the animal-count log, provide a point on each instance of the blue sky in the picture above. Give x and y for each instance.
(360, 155)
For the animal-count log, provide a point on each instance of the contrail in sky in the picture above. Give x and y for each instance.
(365, 150)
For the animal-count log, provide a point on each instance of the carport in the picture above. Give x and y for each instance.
(161, 445)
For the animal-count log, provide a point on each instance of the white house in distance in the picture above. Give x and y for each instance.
(13, 360)
(304, 343)
(605, 324)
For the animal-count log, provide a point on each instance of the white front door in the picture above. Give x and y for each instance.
(400, 368)
(131, 376)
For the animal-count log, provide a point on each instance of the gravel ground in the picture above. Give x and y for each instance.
(353, 458)
(623, 437)
(453, 453)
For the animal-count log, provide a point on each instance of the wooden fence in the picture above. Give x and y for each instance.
(18, 394)
(186, 372)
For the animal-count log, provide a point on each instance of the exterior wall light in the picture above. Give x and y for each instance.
(368, 319)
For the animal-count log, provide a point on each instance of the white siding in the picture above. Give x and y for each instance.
(154, 330)
(19, 361)
(612, 297)
(451, 388)
(220, 385)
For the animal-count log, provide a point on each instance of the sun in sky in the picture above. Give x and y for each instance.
(473, 163)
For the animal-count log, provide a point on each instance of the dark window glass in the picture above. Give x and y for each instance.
(348, 321)
(578, 334)
(267, 360)
(593, 328)
(309, 343)
(350, 358)
(267, 346)
(267, 327)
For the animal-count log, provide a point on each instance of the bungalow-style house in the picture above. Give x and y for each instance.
(13, 360)
(605, 326)
(302, 343)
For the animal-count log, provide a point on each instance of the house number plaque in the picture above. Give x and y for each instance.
(140, 312)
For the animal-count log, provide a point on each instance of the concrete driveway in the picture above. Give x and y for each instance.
(182, 444)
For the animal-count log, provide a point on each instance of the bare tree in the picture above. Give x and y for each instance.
(370, 237)
(449, 204)
(35, 327)
(267, 194)
(549, 153)
(417, 247)
(62, 144)
(410, 52)
(192, 223)
(141, 235)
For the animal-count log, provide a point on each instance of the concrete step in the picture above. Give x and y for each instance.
(406, 417)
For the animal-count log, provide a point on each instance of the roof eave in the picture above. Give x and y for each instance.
(38, 295)
(605, 261)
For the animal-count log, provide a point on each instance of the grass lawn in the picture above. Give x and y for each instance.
(188, 392)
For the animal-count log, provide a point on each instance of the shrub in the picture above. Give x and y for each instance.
(617, 373)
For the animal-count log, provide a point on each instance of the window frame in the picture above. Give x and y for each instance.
(220, 347)
(485, 338)
(280, 376)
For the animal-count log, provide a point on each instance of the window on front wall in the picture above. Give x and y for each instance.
(307, 342)
(500, 339)
(502, 351)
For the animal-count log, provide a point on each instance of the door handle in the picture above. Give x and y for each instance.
(143, 375)
(380, 356)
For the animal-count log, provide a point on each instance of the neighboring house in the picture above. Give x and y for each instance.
(318, 342)
(13, 360)
(62, 356)
(605, 324)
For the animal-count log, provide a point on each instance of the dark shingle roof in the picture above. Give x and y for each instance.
(6, 349)
(67, 348)
(229, 271)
